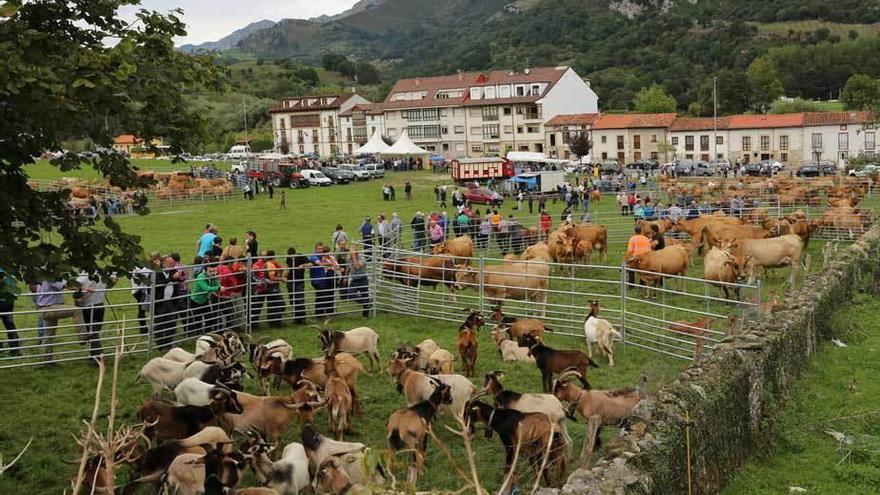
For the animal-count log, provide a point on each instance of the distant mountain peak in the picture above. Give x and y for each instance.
(360, 6)
(230, 40)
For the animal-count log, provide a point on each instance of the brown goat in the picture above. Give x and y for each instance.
(313, 370)
(696, 329)
(612, 406)
(270, 416)
(408, 428)
(338, 398)
(467, 341)
(517, 327)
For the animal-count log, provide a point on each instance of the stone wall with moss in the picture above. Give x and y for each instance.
(732, 398)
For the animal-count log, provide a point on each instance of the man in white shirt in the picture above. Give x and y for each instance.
(383, 230)
(91, 296)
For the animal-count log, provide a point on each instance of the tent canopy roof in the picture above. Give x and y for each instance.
(405, 146)
(373, 146)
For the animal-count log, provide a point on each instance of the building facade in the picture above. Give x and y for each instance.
(559, 131)
(485, 113)
(632, 137)
(755, 138)
(701, 139)
(359, 123)
(311, 124)
(837, 136)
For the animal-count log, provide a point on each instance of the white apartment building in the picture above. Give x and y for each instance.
(311, 124)
(836, 136)
(484, 113)
(560, 129)
(698, 139)
(754, 138)
(632, 136)
(359, 123)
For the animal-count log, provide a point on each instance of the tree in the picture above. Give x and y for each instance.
(765, 87)
(60, 79)
(580, 144)
(654, 100)
(366, 73)
(861, 92)
(794, 105)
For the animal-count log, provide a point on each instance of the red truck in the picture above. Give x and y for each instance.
(481, 169)
(281, 172)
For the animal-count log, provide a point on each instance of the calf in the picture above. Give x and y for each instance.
(697, 329)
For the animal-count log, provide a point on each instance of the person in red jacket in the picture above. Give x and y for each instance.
(259, 286)
(231, 274)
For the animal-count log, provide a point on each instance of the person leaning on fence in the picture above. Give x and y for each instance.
(231, 274)
(8, 294)
(296, 295)
(251, 245)
(396, 230)
(170, 302)
(49, 300)
(233, 250)
(92, 294)
(206, 242)
(638, 244)
(323, 279)
(417, 224)
(546, 221)
(367, 234)
(358, 284)
(259, 287)
(274, 300)
(201, 318)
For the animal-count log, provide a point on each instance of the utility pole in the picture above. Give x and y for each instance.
(715, 117)
(244, 111)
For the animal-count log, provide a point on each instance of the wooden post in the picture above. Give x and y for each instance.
(586, 456)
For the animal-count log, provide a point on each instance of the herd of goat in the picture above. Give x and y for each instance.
(212, 431)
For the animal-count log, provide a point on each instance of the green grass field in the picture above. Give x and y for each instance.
(838, 392)
(62, 397)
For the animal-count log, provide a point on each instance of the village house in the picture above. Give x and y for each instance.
(359, 123)
(311, 124)
(837, 136)
(701, 139)
(560, 129)
(755, 138)
(632, 137)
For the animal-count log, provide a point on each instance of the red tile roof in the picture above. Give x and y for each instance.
(698, 124)
(766, 121)
(127, 139)
(298, 106)
(464, 80)
(634, 120)
(573, 119)
(836, 118)
(368, 108)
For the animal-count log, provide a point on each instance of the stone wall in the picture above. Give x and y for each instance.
(732, 398)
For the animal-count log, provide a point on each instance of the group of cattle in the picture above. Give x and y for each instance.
(211, 431)
(786, 191)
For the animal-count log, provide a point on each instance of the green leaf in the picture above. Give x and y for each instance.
(8, 9)
(83, 82)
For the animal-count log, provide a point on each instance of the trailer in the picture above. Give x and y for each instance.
(280, 170)
(543, 182)
(481, 169)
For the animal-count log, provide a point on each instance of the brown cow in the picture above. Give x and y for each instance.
(595, 196)
(715, 233)
(721, 266)
(461, 249)
(671, 260)
(537, 252)
(694, 227)
(523, 280)
(596, 234)
(769, 253)
(663, 225)
(432, 271)
(560, 247)
(583, 251)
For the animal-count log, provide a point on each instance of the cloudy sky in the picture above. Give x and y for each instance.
(209, 20)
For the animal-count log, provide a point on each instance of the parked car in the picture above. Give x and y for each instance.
(643, 164)
(720, 163)
(866, 171)
(375, 170)
(337, 175)
(610, 167)
(483, 196)
(316, 177)
(808, 170)
(703, 169)
(755, 169)
(356, 170)
(683, 167)
(773, 165)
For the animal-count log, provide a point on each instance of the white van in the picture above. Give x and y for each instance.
(359, 172)
(375, 170)
(316, 177)
(239, 151)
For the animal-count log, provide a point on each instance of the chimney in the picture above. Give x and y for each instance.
(460, 74)
(353, 89)
(527, 71)
(418, 81)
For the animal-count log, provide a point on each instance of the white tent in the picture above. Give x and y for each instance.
(405, 147)
(373, 146)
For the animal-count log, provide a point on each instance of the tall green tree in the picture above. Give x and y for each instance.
(73, 69)
(765, 86)
(580, 144)
(654, 99)
(861, 93)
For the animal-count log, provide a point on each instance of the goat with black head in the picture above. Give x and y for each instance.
(408, 428)
(551, 361)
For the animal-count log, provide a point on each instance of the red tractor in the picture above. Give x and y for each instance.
(280, 172)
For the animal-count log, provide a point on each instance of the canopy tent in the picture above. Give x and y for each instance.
(405, 147)
(373, 146)
(530, 180)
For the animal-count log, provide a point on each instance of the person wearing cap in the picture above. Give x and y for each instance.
(638, 244)
(367, 233)
(417, 224)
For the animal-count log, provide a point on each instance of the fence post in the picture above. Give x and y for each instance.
(374, 288)
(247, 297)
(480, 278)
(760, 298)
(623, 290)
(663, 290)
(151, 322)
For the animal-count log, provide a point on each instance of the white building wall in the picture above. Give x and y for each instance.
(569, 95)
(858, 136)
(792, 156)
(679, 137)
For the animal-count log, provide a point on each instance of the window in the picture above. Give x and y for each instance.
(870, 141)
(504, 92)
(423, 131)
(305, 121)
(459, 147)
(566, 137)
(747, 143)
(675, 140)
(604, 139)
(520, 91)
(459, 129)
(494, 148)
(637, 143)
(330, 121)
(299, 136)
(843, 141)
(476, 149)
(783, 143)
(392, 131)
(704, 144)
(491, 131)
(445, 146)
(604, 155)
(689, 143)
(489, 92)
(843, 127)
(476, 131)
(490, 113)
(519, 129)
(765, 143)
(531, 112)
(552, 139)
(532, 129)
(476, 93)
(620, 142)
(719, 139)
(784, 157)
(508, 147)
(655, 155)
(418, 114)
(689, 156)
(536, 90)
(637, 155)
(348, 134)
(704, 157)
(282, 123)
(507, 111)
(508, 129)
(816, 141)
(476, 112)
(315, 135)
(444, 129)
(653, 138)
